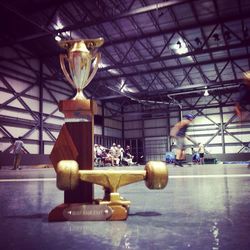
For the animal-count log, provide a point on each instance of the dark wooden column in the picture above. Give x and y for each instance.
(75, 142)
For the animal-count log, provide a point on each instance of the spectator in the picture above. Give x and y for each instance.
(114, 154)
(120, 153)
(195, 156)
(201, 151)
(18, 152)
(128, 157)
(98, 154)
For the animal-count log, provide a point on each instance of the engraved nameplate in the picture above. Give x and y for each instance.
(80, 212)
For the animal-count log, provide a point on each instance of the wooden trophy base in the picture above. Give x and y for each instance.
(75, 142)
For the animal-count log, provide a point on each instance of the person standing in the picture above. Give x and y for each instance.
(113, 153)
(201, 151)
(120, 152)
(18, 152)
(179, 133)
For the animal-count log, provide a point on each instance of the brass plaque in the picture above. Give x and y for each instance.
(80, 212)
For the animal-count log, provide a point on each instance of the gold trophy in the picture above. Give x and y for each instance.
(81, 54)
(75, 140)
(72, 154)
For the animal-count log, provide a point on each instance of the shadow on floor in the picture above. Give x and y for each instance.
(146, 214)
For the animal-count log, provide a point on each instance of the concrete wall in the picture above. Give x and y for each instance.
(6, 159)
(226, 157)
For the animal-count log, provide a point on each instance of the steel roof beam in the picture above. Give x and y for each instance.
(81, 25)
(234, 84)
(216, 60)
(163, 58)
(25, 123)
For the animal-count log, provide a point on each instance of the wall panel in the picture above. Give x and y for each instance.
(132, 134)
(112, 132)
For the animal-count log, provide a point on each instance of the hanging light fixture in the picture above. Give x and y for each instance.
(58, 38)
(179, 44)
(206, 93)
(180, 47)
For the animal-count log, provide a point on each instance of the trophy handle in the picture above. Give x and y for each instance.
(98, 58)
(62, 63)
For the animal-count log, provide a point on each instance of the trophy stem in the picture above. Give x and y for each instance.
(79, 95)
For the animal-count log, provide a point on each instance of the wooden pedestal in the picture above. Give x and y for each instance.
(75, 142)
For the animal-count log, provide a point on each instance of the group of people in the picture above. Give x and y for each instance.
(115, 155)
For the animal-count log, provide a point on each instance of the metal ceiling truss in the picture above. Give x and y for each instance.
(119, 51)
(46, 79)
(169, 68)
(83, 24)
(142, 66)
(174, 56)
(39, 121)
(159, 31)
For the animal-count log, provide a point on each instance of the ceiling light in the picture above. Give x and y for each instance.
(58, 26)
(102, 65)
(58, 38)
(113, 71)
(122, 85)
(180, 47)
(206, 93)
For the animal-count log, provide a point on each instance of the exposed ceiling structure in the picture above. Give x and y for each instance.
(153, 50)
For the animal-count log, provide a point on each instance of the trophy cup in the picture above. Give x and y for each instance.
(80, 55)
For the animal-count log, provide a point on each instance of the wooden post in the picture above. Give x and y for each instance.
(75, 142)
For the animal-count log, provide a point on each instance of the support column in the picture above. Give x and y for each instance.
(103, 117)
(168, 149)
(41, 144)
(123, 139)
(143, 135)
(222, 131)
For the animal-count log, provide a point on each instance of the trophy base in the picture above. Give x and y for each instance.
(79, 108)
(87, 212)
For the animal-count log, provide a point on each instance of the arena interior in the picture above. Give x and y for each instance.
(156, 62)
